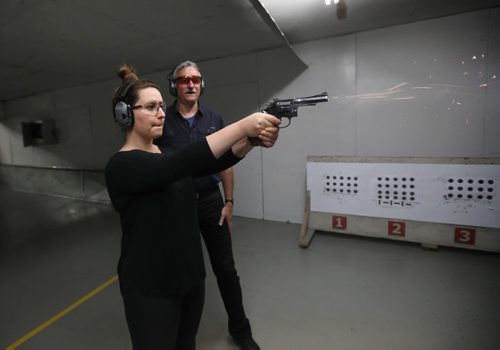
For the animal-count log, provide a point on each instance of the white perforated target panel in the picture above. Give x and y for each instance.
(478, 189)
(398, 191)
(464, 194)
(341, 184)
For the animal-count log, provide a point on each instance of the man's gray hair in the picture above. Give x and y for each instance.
(184, 65)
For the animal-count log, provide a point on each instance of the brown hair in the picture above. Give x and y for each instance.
(132, 84)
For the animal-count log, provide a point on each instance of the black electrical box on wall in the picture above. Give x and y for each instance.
(39, 132)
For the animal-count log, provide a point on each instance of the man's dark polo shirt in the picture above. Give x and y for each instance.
(177, 132)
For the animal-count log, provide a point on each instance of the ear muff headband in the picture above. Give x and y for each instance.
(122, 111)
(172, 86)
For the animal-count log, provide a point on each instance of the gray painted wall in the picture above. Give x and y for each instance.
(2, 111)
(425, 89)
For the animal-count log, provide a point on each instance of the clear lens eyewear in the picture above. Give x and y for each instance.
(151, 108)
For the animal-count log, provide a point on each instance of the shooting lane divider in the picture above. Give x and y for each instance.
(62, 313)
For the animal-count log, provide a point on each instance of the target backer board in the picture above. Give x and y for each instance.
(462, 193)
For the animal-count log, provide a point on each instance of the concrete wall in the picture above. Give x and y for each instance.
(425, 89)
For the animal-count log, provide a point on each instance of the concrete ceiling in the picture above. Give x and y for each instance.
(53, 44)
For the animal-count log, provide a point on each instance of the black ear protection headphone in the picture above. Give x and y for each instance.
(172, 86)
(122, 111)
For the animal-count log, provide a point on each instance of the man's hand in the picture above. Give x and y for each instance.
(227, 215)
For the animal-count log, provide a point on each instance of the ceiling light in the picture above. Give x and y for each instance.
(328, 2)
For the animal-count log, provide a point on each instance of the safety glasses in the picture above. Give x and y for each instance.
(151, 108)
(187, 78)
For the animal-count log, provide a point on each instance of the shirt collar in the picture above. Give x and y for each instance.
(199, 113)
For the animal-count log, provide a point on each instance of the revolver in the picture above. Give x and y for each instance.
(287, 108)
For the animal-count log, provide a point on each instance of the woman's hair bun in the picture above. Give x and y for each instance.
(127, 72)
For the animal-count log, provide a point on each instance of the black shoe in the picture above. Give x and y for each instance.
(247, 343)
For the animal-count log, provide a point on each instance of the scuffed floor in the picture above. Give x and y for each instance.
(343, 292)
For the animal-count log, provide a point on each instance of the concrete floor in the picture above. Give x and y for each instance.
(343, 292)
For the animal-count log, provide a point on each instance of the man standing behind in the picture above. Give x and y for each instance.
(186, 120)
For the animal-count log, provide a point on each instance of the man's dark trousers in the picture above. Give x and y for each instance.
(219, 246)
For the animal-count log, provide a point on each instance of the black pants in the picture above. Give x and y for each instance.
(219, 246)
(163, 323)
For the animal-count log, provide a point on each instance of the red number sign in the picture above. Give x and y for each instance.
(339, 222)
(465, 235)
(396, 228)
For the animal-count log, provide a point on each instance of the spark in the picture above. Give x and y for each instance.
(397, 86)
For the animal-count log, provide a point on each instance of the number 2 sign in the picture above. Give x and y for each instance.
(396, 228)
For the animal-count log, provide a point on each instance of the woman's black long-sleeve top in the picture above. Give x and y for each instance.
(161, 250)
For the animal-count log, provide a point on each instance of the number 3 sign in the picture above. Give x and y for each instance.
(465, 235)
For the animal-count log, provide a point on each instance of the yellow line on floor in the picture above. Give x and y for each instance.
(61, 314)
